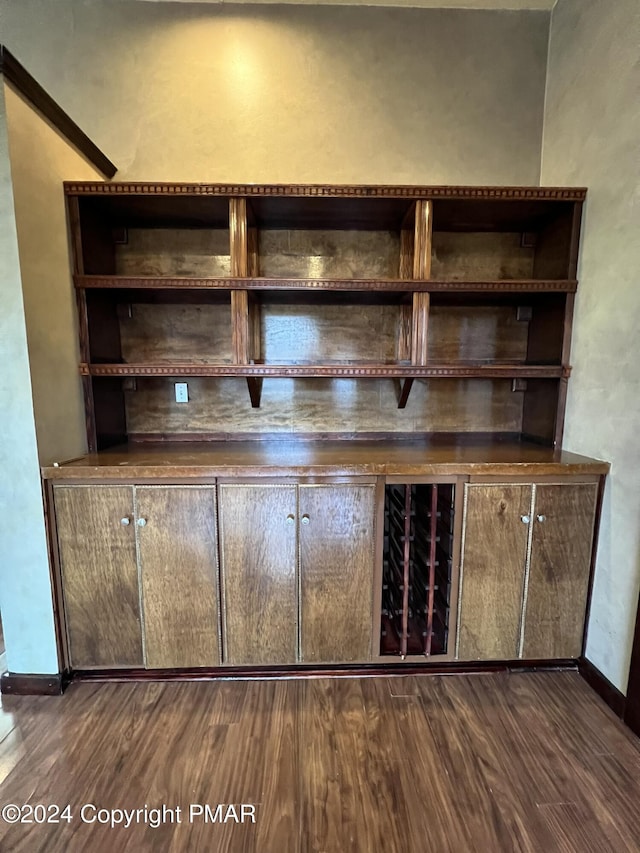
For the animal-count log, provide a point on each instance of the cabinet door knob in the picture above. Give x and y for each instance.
(291, 519)
(141, 522)
(525, 519)
(125, 521)
(541, 518)
(305, 519)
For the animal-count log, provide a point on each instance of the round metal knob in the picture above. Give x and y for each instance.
(141, 522)
(125, 521)
(291, 519)
(541, 518)
(525, 519)
(305, 519)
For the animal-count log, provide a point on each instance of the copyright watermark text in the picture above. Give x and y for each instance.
(123, 817)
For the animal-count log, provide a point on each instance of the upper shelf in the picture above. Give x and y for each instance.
(323, 237)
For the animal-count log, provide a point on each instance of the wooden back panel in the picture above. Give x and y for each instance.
(187, 333)
(317, 332)
(320, 406)
(174, 251)
(477, 256)
(328, 254)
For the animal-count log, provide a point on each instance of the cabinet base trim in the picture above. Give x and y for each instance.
(608, 692)
(33, 684)
(319, 671)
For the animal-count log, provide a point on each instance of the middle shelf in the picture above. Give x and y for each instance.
(336, 370)
(186, 283)
(318, 332)
(479, 361)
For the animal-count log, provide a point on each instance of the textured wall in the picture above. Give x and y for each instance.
(592, 138)
(39, 376)
(288, 93)
(25, 590)
(439, 4)
(40, 161)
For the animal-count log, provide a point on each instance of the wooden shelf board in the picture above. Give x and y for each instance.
(347, 371)
(314, 191)
(401, 285)
(239, 283)
(328, 207)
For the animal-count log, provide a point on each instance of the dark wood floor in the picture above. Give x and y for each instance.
(505, 762)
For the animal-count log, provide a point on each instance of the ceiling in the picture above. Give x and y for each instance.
(432, 4)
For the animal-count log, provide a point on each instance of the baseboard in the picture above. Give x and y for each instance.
(320, 671)
(31, 684)
(603, 687)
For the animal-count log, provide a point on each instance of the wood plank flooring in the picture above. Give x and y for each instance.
(498, 762)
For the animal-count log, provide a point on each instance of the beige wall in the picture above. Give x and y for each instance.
(43, 415)
(592, 137)
(41, 159)
(25, 590)
(289, 93)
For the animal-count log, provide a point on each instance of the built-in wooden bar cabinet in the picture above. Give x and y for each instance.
(367, 467)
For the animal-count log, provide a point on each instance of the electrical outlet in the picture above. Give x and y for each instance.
(182, 392)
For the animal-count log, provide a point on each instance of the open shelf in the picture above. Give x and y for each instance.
(501, 239)
(131, 235)
(461, 296)
(320, 327)
(330, 239)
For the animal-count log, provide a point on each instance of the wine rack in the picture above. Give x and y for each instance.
(416, 583)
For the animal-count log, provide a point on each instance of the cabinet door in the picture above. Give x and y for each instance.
(559, 573)
(178, 571)
(492, 576)
(258, 573)
(99, 575)
(336, 572)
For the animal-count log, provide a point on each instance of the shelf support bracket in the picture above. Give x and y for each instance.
(254, 384)
(403, 389)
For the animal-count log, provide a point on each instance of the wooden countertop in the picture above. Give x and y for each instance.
(296, 458)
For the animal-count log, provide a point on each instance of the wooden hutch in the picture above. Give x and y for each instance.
(368, 469)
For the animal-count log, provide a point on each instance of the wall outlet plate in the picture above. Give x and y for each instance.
(182, 392)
